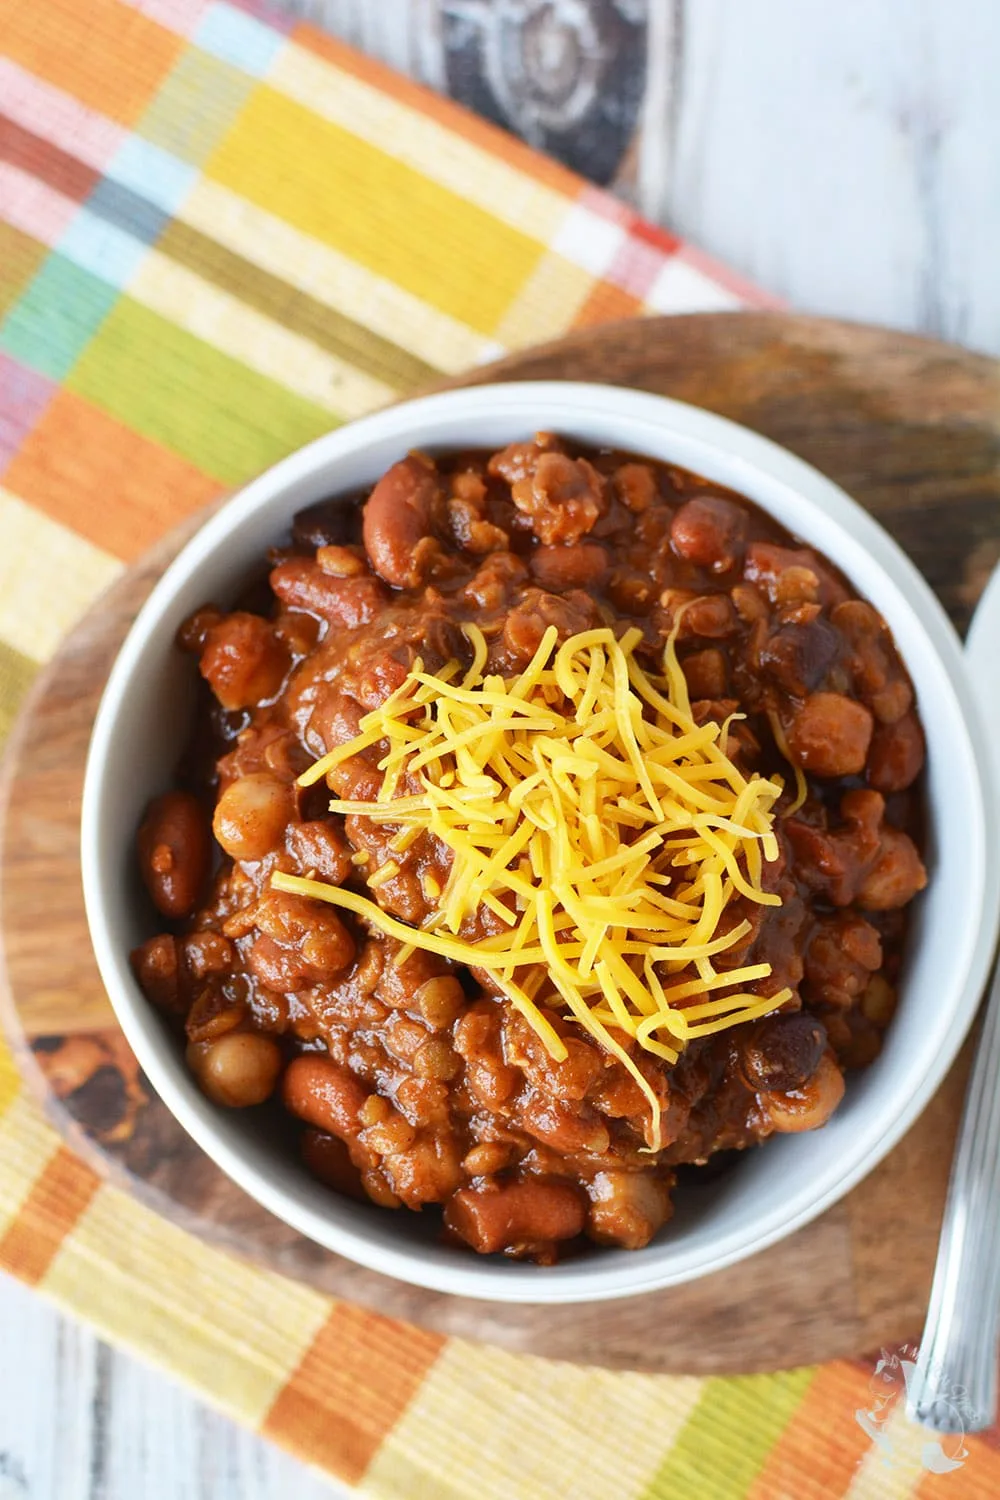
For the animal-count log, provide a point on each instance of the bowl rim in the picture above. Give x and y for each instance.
(746, 453)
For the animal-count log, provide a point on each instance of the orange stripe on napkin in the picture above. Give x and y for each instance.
(454, 117)
(817, 1455)
(351, 1388)
(977, 1479)
(103, 480)
(105, 54)
(48, 1214)
(606, 303)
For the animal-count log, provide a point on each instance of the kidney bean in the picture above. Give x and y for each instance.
(324, 1095)
(397, 517)
(301, 583)
(558, 568)
(504, 1216)
(175, 853)
(896, 756)
(328, 1158)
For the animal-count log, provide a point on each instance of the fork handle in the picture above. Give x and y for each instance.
(954, 1385)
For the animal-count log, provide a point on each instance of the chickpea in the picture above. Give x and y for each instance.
(810, 1106)
(252, 815)
(237, 1070)
(242, 660)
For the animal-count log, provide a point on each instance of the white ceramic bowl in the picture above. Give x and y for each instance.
(143, 721)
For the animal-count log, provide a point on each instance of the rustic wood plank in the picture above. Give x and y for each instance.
(80, 1421)
(840, 156)
(912, 428)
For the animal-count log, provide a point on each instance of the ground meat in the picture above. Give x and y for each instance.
(414, 1082)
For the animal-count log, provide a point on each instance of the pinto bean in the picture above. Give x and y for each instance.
(566, 1128)
(324, 1095)
(397, 517)
(627, 1208)
(896, 756)
(706, 674)
(562, 497)
(252, 814)
(830, 735)
(504, 1216)
(842, 954)
(239, 1069)
(301, 942)
(808, 1107)
(711, 615)
(175, 853)
(636, 488)
(709, 532)
(897, 875)
(488, 1158)
(790, 575)
(535, 612)
(243, 660)
(157, 967)
(428, 1171)
(576, 567)
(320, 845)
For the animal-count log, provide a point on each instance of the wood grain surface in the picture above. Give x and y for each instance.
(839, 156)
(912, 429)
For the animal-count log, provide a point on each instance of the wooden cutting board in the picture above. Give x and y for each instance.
(911, 428)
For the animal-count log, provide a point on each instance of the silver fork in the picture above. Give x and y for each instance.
(954, 1385)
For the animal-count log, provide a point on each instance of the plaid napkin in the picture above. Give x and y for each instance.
(222, 233)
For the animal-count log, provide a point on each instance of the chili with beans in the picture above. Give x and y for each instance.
(415, 1082)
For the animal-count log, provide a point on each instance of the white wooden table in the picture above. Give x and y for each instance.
(845, 157)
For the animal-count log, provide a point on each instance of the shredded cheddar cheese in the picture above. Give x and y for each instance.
(597, 836)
